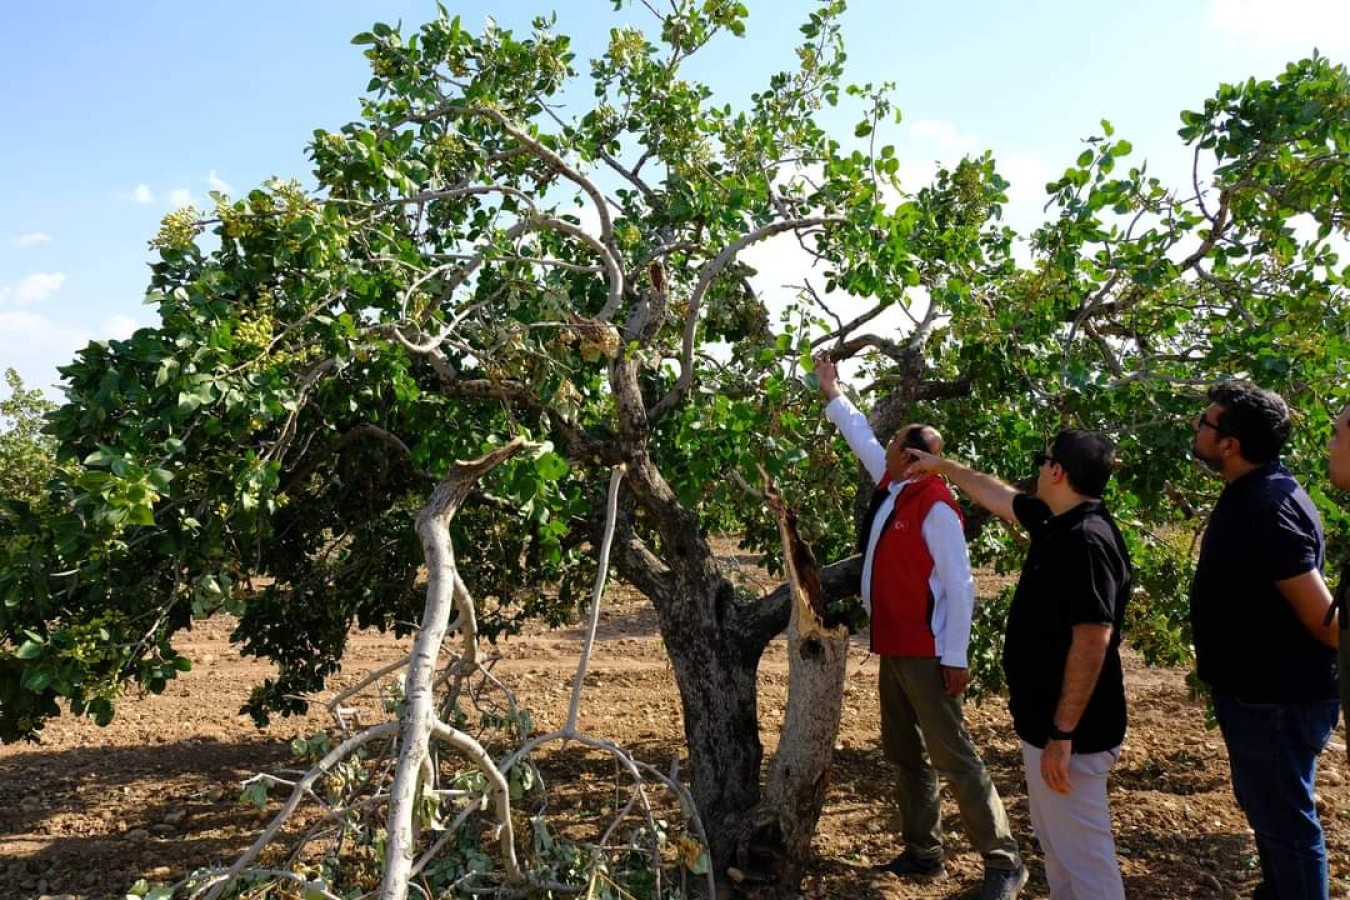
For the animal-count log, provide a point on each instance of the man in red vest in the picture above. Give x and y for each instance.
(919, 594)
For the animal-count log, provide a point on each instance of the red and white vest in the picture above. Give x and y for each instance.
(902, 567)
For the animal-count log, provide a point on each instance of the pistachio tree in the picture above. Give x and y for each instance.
(479, 262)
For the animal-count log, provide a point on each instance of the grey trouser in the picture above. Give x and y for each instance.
(924, 733)
(1075, 828)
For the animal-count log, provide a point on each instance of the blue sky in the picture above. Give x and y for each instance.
(117, 113)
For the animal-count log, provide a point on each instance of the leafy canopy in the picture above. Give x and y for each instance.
(476, 260)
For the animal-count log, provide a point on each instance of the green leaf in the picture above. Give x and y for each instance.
(29, 649)
(102, 711)
(550, 466)
(37, 680)
(255, 793)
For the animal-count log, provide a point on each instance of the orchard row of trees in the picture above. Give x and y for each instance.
(476, 263)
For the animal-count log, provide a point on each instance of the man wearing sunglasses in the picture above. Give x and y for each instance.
(1061, 653)
(1265, 641)
(919, 594)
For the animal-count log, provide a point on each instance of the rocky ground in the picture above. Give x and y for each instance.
(90, 810)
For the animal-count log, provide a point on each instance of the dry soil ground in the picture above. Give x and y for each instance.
(155, 794)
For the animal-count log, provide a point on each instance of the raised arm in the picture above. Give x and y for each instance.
(851, 423)
(986, 490)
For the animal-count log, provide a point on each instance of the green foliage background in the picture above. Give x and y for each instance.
(323, 355)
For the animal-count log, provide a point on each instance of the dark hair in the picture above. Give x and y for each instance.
(914, 436)
(1087, 459)
(1258, 418)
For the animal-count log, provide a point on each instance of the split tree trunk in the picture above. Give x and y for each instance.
(760, 838)
(817, 665)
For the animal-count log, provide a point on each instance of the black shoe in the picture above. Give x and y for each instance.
(910, 865)
(1002, 884)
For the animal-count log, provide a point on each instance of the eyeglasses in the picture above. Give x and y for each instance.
(1202, 422)
(1040, 458)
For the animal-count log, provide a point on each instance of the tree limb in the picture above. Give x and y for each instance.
(758, 622)
(705, 280)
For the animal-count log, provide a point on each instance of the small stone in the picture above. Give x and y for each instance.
(174, 816)
(137, 835)
(162, 829)
(160, 872)
(215, 794)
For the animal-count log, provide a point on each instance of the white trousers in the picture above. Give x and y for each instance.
(1074, 830)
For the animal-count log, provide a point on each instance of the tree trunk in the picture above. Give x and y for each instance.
(780, 842)
(716, 680)
(714, 643)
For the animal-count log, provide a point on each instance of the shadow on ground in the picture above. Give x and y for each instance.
(90, 821)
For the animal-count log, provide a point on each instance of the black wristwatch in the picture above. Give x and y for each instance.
(1057, 735)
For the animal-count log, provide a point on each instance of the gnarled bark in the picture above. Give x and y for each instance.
(777, 847)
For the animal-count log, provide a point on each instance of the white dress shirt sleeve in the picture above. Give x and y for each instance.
(853, 426)
(951, 569)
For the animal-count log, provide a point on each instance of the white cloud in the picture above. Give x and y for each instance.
(947, 138)
(216, 183)
(118, 328)
(932, 144)
(180, 197)
(33, 289)
(1027, 175)
(32, 239)
(928, 145)
(35, 345)
(143, 195)
(1303, 23)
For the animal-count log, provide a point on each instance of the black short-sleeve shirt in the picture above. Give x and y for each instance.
(1077, 572)
(1249, 643)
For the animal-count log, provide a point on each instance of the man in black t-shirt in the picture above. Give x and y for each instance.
(1264, 642)
(1338, 467)
(1061, 654)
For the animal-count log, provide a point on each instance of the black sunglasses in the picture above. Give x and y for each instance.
(1202, 422)
(1040, 458)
